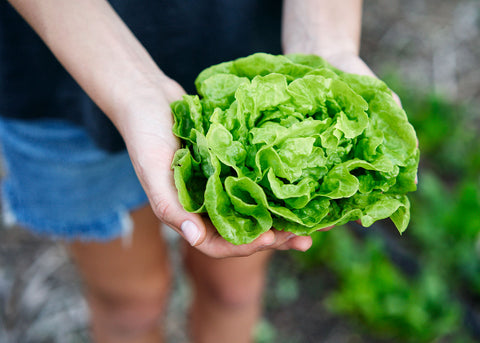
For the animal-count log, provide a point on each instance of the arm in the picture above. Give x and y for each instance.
(109, 63)
(330, 29)
(96, 48)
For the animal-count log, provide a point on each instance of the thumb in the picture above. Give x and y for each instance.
(168, 209)
(152, 166)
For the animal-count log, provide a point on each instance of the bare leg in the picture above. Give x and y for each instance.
(127, 285)
(227, 296)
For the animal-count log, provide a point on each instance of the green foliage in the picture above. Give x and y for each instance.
(447, 227)
(378, 296)
(264, 332)
(448, 132)
(446, 210)
(293, 143)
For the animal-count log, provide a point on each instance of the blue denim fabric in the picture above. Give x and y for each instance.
(58, 183)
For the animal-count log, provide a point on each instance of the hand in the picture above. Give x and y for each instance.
(147, 130)
(352, 63)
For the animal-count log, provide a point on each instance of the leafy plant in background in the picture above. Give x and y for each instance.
(446, 220)
(376, 294)
(449, 132)
(452, 216)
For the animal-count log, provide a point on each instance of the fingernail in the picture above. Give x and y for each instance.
(270, 241)
(190, 232)
(291, 236)
(304, 247)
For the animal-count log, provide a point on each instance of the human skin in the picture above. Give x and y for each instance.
(331, 29)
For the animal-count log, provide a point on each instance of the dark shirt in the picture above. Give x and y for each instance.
(182, 36)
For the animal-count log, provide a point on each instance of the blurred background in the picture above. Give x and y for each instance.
(355, 284)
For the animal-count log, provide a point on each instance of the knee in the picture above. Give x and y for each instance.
(131, 309)
(234, 295)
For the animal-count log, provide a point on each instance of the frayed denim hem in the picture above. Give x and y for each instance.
(114, 225)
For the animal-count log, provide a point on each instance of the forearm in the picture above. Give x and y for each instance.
(97, 49)
(323, 27)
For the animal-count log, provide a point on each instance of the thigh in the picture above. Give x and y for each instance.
(230, 280)
(126, 270)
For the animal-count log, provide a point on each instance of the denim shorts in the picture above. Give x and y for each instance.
(56, 182)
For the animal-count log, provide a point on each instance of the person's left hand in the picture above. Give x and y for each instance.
(352, 63)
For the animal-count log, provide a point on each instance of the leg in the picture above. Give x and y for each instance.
(227, 296)
(127, 285)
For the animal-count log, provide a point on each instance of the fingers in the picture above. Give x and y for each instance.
(300, 243)
(327, 228)
(350, 63)
(216, 246)
(397, 99)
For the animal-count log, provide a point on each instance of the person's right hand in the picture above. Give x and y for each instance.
(146, 127)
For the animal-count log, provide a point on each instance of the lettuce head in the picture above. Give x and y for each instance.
(293, 143)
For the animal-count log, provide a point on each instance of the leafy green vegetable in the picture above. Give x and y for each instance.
(293, 143)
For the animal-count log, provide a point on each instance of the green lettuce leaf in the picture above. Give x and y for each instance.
(293, 143)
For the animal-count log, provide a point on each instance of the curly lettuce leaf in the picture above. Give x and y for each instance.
(294, 143)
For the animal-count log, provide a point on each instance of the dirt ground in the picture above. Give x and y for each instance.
(431, 44)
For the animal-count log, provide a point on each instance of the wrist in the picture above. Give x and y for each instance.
(326, 49)
(143, 99)
(322, 27)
